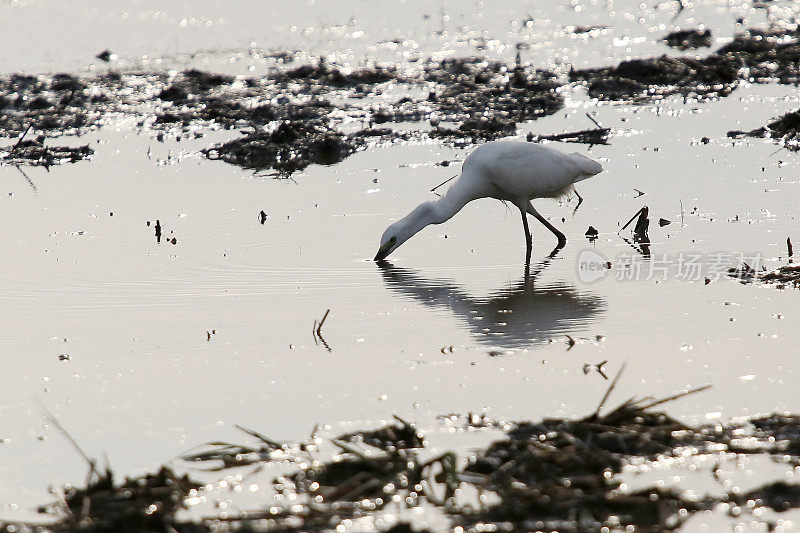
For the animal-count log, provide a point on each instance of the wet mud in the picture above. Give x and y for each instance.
(689, 39)
(754, 56)
(713, 76)
(289, 118)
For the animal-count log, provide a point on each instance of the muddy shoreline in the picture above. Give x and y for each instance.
(309, 114)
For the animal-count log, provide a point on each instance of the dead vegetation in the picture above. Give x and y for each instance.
(555, 474)
(147, 503)
(37, 153)
(783, 277)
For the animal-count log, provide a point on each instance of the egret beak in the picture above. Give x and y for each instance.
(383, 252)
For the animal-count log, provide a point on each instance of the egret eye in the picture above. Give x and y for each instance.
(393, 240)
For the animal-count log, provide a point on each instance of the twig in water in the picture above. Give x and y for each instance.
(778, 150)
(638, 213)
(23, 134)
(610, 390)
(789, 246)
(681, 213)
(316, 331)
(598, 367)
(593, 120)
(52, 419)
(259, 436)
(319, 328)
(674, 397)
(30, 181)
(570, 342)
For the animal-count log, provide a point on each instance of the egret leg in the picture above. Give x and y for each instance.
(580, 201)
(528, 238)
(562, 240)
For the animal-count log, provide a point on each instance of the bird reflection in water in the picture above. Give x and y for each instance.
(522, 314)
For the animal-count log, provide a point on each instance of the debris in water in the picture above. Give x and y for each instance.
(786, 128)
(743, 272)
(158, 231)
(598, 367)
(292, 146)
(216, 456)
(263, 217)
(391, 437)
(640, 230)
(689, 39)
(316, 331)
(592, 234)
(785, 276)
(147, 503)
(664, 222)
(539, 474)
(323, 73)
(592, 136)
(105, 56)
(35, 153)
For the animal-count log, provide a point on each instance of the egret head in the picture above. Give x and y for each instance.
(392, 238)
(405, 228)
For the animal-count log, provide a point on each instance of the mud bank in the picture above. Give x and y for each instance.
(305, 114)
(754, 56)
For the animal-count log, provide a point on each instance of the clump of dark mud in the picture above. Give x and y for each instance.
(755, 56)
(292, 123)
(786, 129)
(292, 146)
(325, 74)
(767, 56)
(61, 104)
(487, 98)
(646, 78)
(688, 39)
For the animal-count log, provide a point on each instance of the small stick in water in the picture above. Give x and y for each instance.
(322, 321)
(316, 331)
(610, 389)
(593, 120)
(639, 212)
(24, 134)
(789, 245)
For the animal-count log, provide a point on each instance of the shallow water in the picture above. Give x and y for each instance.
(451, 325)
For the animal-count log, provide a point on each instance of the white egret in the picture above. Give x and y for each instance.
(514, 171)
